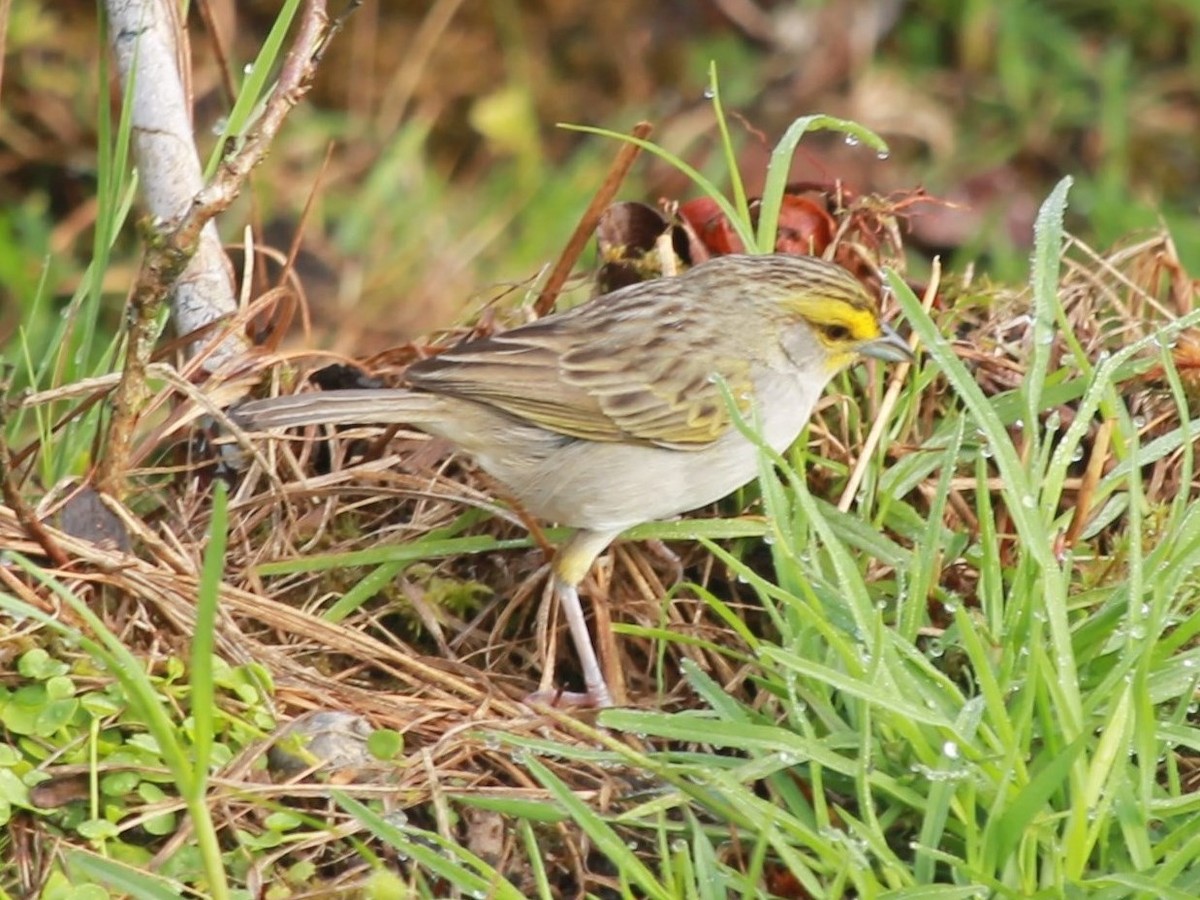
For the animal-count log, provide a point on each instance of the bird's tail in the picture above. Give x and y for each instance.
(362, 407)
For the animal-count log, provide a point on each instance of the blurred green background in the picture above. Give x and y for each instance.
(448, 178)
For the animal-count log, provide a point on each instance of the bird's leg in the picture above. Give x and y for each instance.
(597, 694)
(571, 564)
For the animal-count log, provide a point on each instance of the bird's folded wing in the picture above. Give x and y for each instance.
(598, 387)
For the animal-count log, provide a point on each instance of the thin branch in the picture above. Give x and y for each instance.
(176, 254)
(587, 222)
(295, 79)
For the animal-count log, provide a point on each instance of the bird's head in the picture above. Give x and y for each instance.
(825, 310)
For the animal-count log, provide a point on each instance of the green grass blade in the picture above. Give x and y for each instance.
(1047, 260)
(740, 226)
(1036, 538)
(445, 859)
(736, 184)
(781, 164)
(140, 691)
(254, 86)
(203, 688)
(607, 841)
(121, 877)
(1004, 832)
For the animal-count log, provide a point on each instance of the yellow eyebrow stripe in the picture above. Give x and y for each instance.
(860, 322)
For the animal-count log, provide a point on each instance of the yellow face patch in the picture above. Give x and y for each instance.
(839, 324)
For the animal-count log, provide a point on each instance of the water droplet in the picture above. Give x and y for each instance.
(950, 750)
(1053, 421)
(1029, 501)
(882, 154)
(1019, 425)
(1139, 422)
(710, 94)
(248, 69)
(219, 126)
(852, 141)
(1077, 453)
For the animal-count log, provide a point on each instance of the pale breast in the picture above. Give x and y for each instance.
(611, 486)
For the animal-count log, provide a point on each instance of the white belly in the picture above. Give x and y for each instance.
(611, 486)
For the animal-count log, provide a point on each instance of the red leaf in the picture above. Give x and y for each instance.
(805, 227)
(711, 226)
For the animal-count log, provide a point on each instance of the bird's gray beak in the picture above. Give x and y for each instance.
(889, 347)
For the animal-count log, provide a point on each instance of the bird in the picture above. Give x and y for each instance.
(621, 410)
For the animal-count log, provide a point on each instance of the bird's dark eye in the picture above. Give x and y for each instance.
(837, 333)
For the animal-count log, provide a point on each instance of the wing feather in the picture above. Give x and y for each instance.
(578, 375)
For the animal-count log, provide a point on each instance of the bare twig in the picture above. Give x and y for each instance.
(5, 9)
(1091, 478)
(185, 255)
(295, 78)
(587, 222)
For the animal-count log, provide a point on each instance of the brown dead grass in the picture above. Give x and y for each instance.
(443, 672)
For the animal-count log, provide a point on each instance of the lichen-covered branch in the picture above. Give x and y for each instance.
(146, 39)
(184, 259)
